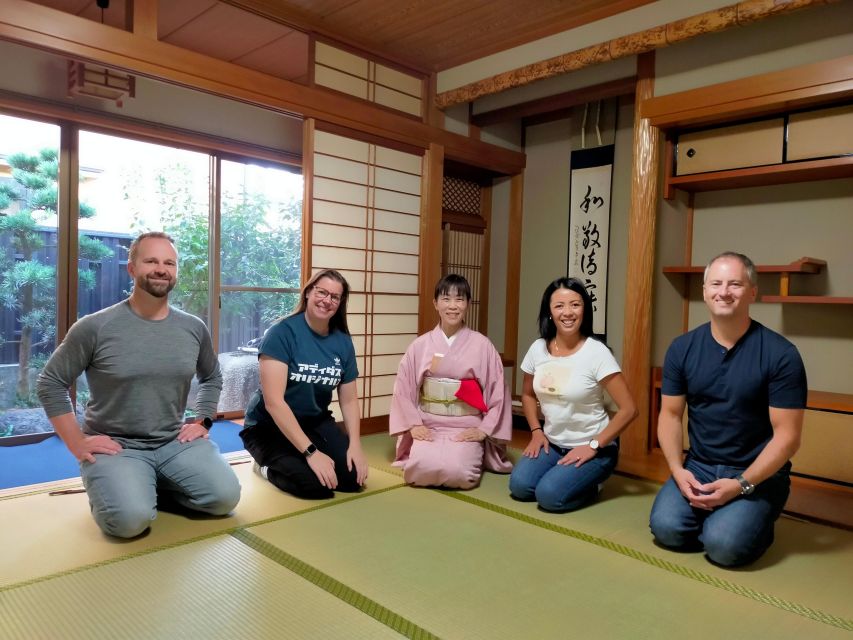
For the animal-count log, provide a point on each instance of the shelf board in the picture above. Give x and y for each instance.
(803, 265)
(829, 401)
(826, 169)
(808, 299)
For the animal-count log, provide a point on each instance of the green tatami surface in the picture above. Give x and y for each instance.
(396, 561)
(461, 571)
(804, 565)
(217, 588)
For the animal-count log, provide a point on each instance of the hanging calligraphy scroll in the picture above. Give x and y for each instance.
(589, 225)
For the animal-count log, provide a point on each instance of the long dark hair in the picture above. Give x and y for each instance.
(339, 320)
(547, 328)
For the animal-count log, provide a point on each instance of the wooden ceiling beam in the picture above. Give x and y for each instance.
(543, 107)
(645, 41)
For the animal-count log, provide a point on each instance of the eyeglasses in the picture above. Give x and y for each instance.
(322, 294)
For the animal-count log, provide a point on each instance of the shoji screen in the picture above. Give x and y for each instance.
(365, 223)
(353, 74)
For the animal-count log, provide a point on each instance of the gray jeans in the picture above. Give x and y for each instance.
(123, 488)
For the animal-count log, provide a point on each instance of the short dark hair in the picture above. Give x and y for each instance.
(339, 320)
(452, 282)
(749, 265)
(134, 246)
(547, 328)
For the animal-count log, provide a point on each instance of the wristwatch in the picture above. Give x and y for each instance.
(207, 423)
(593, 444)
(746, 487)
(310, 451)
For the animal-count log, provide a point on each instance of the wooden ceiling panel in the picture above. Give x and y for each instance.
(171, 15)
(436, 34)
(226, 33)
(286, 57)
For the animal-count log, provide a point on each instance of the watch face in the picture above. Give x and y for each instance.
(207, 423)
(593, 444)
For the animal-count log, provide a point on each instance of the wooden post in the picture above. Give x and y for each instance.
(430, 246)
(637, 342)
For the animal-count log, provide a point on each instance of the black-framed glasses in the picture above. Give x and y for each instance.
(322, 294)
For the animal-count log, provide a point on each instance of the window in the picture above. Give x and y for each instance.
(125, 187)
(29, 202)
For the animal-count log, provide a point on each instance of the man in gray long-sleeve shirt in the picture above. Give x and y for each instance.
(140, 356)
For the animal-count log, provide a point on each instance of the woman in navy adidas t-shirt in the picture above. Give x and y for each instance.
(290, 431)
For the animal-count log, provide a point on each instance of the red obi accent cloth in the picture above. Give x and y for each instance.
(469, 393)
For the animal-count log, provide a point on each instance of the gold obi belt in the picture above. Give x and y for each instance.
(438, 398)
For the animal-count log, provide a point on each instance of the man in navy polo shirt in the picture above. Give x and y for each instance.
(744, 387)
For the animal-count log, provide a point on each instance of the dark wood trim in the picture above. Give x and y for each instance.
(766, 94)
(558, 104)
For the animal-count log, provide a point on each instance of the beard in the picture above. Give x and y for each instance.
(157, 289)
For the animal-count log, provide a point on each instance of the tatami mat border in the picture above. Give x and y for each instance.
(334, 587)
(720, 583)
(207, 536)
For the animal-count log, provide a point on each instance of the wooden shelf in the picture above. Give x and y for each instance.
(809, 170)
(829, 401)
(803, 265)
(808, 299)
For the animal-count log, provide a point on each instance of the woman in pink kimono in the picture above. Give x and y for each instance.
(451, 410)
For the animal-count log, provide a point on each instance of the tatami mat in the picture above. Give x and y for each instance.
(465, 572)
(803, 565)
(217, 588)
(50, 534)
(420, 562)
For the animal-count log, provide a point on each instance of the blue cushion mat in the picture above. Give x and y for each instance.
(49, 459)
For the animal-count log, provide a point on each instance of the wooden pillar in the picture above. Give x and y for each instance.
(513, 272)
(430, 247)
(637, 342)
(308, 129)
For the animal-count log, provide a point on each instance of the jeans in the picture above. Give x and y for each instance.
(122, 488)
(558, 487)
(287, 467)
(737, 533)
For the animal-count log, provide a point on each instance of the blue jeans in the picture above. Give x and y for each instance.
(123, 488)
(734, 534)
(558, 487)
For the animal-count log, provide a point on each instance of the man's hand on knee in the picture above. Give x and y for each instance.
(192, 431)
(88, 446)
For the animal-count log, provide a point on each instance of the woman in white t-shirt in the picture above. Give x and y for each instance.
(566, 372)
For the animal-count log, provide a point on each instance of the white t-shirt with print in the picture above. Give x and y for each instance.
(569, 391)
